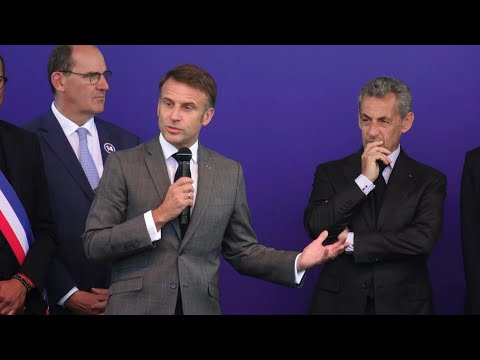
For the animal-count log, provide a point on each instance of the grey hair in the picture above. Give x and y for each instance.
(381, 86)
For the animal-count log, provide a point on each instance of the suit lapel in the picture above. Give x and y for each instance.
(155, 161)
(206, 173)
(54, 136)
(400, 185)
(105, 138)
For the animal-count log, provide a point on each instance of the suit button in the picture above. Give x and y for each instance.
(364, 285)
(182, 252)
(173, 286)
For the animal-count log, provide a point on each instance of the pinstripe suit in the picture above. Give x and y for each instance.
(391, 252)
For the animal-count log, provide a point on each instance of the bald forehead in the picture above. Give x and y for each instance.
(87, 50)
(87, 56)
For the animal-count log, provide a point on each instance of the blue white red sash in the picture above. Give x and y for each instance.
(14, 222)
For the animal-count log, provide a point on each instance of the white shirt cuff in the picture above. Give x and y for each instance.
(65, 298)
(350, 242)
(151, 227)
(298, 275)
(364, 184)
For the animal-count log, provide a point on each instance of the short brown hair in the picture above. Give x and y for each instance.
(195, 77)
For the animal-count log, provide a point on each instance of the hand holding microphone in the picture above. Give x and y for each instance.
(183, 157)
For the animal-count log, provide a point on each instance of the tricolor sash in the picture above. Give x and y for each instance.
(14, 222)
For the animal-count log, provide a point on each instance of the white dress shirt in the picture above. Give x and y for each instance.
(70, 130)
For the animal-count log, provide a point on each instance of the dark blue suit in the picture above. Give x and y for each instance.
(71, 197)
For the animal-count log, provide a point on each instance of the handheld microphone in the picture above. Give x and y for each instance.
(183, 157)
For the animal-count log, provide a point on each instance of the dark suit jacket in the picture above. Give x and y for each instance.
(390, 254)
(146, 276)
(21, 163)
(470, 217)
(71, 197)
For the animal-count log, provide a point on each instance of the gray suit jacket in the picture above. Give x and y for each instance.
(146, 276)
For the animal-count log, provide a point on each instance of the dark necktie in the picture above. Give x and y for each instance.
(380, 186)
(183, 157)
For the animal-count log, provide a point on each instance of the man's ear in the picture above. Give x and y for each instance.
(407, 122)
(57, 80)
(207, 117)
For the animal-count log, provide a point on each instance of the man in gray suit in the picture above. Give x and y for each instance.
(133, 218)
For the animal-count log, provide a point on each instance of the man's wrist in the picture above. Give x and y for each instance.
(29, 285)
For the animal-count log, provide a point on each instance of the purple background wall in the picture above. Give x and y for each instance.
(281, 110)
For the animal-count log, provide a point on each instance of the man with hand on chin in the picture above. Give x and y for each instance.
(392, 207)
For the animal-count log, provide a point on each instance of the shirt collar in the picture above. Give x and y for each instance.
(394, 156)
(68, 126)
(168, 149)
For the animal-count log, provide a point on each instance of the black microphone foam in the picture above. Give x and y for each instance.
(183, 157)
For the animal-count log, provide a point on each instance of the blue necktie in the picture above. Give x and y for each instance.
(86, 159)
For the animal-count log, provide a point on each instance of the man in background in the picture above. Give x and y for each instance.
(27, 232)
(75, 144)
(470, 217)
(392, 207)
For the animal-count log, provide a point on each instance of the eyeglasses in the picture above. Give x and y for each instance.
(94, 76)
(3, 81)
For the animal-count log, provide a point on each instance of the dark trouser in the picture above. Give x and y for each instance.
(370, 307)
(178, 307)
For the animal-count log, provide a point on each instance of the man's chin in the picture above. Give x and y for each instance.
(99, 108)
(173, 139)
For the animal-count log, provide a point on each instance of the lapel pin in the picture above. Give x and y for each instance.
(208, 167)
(109, 148)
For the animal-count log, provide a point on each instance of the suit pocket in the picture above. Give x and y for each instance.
(126, 285)
(214, 291)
